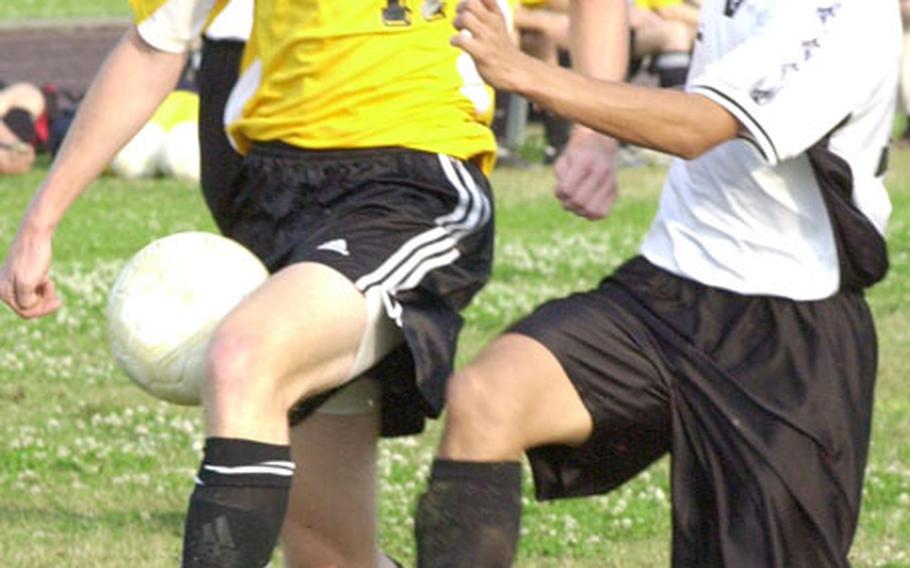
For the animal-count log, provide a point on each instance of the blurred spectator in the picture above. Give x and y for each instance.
(662, 30)
(663, 33)
(543, 32)
(22, 113)
(682, 11)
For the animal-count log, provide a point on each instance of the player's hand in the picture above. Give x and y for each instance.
(25, 283)
(586, 175)
(484, 35)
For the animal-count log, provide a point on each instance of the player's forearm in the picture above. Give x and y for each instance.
(600, 38)
(130, 85)
(671, 121)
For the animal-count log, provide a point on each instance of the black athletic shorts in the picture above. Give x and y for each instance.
(415, 227)
(764, 404)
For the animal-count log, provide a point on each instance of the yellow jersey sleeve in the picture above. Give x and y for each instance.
(361, 73)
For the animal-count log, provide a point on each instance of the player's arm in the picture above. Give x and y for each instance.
(586, 177)
(132, 82)
(674, 122)
(130, 85)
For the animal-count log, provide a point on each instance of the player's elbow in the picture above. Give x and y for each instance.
(693, 145)
(698, 139)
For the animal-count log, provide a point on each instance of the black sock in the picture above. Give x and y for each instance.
(238, 506)
(470, 515)
(672, 68)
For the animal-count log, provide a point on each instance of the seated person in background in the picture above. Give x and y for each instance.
(21, 107)
(662, 30)
(683, 11)
(543, 33)
(666, 40)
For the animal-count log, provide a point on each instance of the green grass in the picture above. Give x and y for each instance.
(93, 472)
(58, 9)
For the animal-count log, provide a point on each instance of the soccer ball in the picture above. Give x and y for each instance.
(140, 157)
(180, 152)
(167, 301)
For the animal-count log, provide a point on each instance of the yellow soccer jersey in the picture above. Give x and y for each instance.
(657, 4)
(346, 74)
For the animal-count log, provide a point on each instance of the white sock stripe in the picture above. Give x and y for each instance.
(673, 60)
(249, 469)
(279, 463)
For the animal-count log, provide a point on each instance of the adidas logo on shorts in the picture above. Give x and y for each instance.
(337, 245)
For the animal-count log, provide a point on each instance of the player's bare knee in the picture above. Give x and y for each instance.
(481, 413)
(232, 366)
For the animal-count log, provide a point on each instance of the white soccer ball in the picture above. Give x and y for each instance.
(140, 157)
(167, 301)
(180, 152)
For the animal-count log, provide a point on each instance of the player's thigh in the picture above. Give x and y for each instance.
(514, 395)
(305, 324)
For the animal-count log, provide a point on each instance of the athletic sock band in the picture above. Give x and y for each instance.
(238, 506)
(245, 463)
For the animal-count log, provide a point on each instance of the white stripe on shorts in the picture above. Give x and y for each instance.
(434, 248)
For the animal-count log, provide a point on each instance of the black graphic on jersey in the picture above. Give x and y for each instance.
(825, 13)
(766, 89)
(731, 7)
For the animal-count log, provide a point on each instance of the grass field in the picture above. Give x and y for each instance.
(93, 472)
(55, 9)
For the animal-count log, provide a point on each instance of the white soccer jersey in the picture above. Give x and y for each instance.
(748, 216)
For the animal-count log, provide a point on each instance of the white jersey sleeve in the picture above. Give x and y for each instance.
(171, 25)
(785, 81)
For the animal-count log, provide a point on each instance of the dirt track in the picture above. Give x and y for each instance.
(64, 53)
